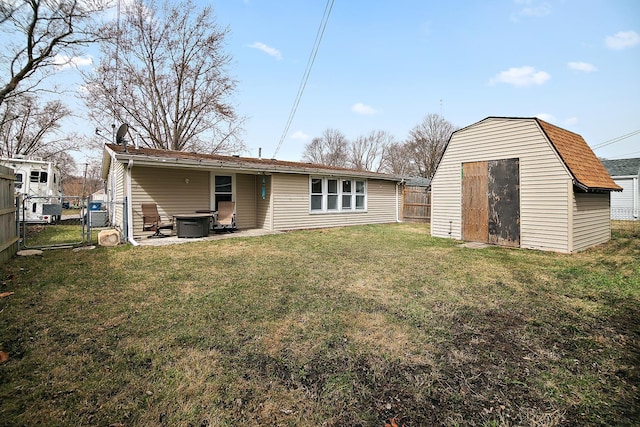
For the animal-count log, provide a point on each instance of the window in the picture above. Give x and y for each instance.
(337, 195)
(223, 190)
(316, 194)
(18, 181)
(332, 194)
(37, 176)
(360, 196)
(346, 194)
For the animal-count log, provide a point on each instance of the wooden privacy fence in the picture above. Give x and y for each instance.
(8, 234)
(416, 204)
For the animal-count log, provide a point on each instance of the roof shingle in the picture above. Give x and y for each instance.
(583, 164)
(623, 167)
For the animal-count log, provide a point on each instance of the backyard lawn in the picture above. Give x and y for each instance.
(339, 327)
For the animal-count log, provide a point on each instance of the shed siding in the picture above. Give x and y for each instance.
(544, 198)
(169, 190)
(246, 201)
(291, 205)
(591, 222)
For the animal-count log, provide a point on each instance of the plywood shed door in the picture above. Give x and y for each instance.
(475, 204)
(491, 202)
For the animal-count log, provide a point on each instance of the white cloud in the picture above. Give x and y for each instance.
(267, 49)
(299, 135)
(531, 9)
(361, 108)
(546, 117)
(571, 121)
(582, 66)
(522, 76)
(63, 61)
(622, 40)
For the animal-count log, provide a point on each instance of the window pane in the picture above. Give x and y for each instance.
(332, 186)
(223, 184)
(359, 202)
(346, 202)
(35, 176)
(18, 177)
(359, 186)
(316, 186)
(43, 176)
(316, 203)
(346, 186)
(332, 202)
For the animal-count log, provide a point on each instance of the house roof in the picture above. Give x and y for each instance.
(167, 158)
(623, 167)
(586, 168)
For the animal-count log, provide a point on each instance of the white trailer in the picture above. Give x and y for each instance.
(38, 185)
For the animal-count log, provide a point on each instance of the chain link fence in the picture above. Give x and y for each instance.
(67, 221)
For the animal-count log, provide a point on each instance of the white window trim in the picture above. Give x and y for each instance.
(325, 195)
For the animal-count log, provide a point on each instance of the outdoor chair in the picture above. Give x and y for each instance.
(226, 217)
(151, 221)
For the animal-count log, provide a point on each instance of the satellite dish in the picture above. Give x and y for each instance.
(122, 131)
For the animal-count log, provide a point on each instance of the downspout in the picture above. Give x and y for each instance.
(398, 204)
(130, 204)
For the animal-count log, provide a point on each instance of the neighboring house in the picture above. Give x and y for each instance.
(269, 194)
(625, 173)
(521, 182)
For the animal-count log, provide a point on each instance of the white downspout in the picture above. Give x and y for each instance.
(129, 204)
(397, 213)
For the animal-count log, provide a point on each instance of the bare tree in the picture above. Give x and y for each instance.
(28, 128)
(164, 73)
(427, 142)
(330, 149)
(40, 33)
(397, 160)
(366, 152)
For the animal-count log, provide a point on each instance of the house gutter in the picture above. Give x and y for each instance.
(255, 168)
(129, 207)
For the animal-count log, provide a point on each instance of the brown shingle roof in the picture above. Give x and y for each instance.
(243, 162)
(583, 164)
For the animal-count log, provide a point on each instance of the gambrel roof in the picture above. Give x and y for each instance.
(588, 172)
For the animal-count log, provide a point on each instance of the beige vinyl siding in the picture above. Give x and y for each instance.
(544, 199)
(246, 202)
(264, 209)
(168, 189)
(591, 222)
(291, 205)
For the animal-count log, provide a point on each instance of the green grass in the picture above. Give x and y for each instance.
(347, 326)
(57, 235)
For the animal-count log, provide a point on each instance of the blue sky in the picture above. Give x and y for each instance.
(384, 65)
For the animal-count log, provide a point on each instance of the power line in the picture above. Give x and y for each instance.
(614, 140)
(303, 83)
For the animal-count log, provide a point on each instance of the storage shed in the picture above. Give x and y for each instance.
(521, 182)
